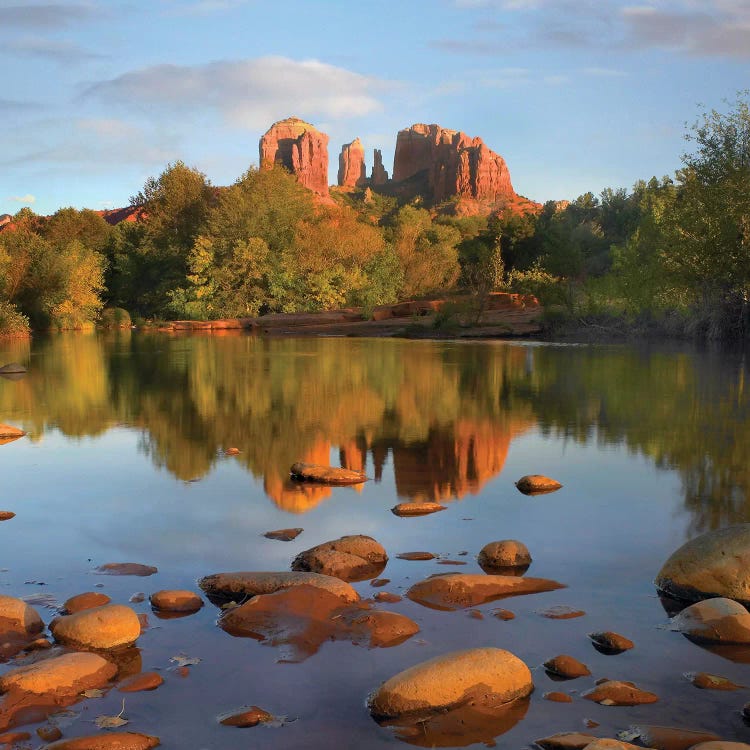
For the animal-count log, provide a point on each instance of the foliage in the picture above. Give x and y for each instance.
(12, 322)
(115, 317)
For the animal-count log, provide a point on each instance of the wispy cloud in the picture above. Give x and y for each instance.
(28, 198)
(47, 15)
(201, 7)
(60, 51)
(247, 93)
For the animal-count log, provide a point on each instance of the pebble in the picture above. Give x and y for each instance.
(378, 582)
(503, 614)
(561, 612)
(711, 681)
(417, 509)
(608, 642)
(566, 667)
(415, 556)
(246, 717)
(668, 738)
(283, 535)
(566, 741)
(127, 569)
(49, 733)
(326, 474)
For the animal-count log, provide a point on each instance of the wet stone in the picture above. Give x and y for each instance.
(537, 484)
(87, 600)
(557, 697)
(716, 620)
(617, 693)
(351, 558)
(49, 733)
(141, 682)
(176, 600)
(707, 681)
(379, 582)
(6, 515)
(283, 535)
(566, 667)
(475, 614)
(560, 612)
(507, 553)
(566, 741)
(503, 614)
(326, 474)
(668, 738)
(386, 596)
(246, 717)
(609, 642)
(415, 556)
(417, 509)
(127, 569)
(110, 626)
(108, 741)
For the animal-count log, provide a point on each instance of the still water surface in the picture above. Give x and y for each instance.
(125, 462)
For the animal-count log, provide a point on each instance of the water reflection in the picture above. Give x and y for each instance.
(444, 414)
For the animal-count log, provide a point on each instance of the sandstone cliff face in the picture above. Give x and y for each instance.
(352, 171)
(445, 163)
(303, 150)
(379, 175)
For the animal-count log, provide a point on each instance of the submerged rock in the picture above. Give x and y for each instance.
(415, 556)
(707, 681)
(176, 600)
(303, 617)
(507, 553)
(245, 717)
(460, 590)
(87, 600)
(109, 626)
(537, 484)
(326, 474)
(65, 676)
(283, 535)
(109, 741)
(566, 667)
(351, 558)
(718, 620)
(714, 564)
(566, 741)
(668, 738)
(127, 569)
(609, 642)
(617, 693)
(417, 509)
(557, 697)
(251, 583)
(138, 683)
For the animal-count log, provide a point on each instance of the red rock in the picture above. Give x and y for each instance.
(139, 682)
(616, 693)
(609, 642)
(445, 163)
(387, 596)
(247, 717)
(566, 667)
(110, 741)
(711, 681)
(49, 733)
(178, 600)
(378, 176)
(557, 697)
(87, 600)
(352, 171)
(6, 515)
(300, 148)
(326, 474)
(668, 738)
(415, 556)
(127, 569)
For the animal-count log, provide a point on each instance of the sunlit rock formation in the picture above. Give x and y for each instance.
(352, 171)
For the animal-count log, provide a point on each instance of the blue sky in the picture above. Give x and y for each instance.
(577, 95)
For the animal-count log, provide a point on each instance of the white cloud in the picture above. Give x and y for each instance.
(248, 93)
(28, 198)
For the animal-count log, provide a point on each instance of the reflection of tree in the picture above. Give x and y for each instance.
(444, 414)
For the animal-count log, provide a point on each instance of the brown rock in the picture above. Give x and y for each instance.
(386, 596)
(232, 452)
(707, 681)
(718, 620)
(177, 600)
(379, 582)
(615, 693)
(416, 509)
(714, 564)
(246, 717)
(537, 484)
(668, 738)
(352, 171)
(351, 558)
(608, 642)
(484, 676)
(9, 738)
(507, 553)
(378, 176)
(66, 675)
(605, 743)
(87, 600)
(566, 741)
(109, 626)
(459, 590)
(127, 569)
(244, 584)
(415, 556)
(139, 682)
(441, 164)
(49, 733)
(304, 617)
(109, 741)
(721, 745)
(6, 515)
(560, 612)
(557, 697)
(503, 614)
(18, 618)
(283, 535)
(8, 432)
(301, 149)
(566, 667)
(326, 474)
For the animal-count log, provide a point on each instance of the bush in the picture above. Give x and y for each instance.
(12, 322)
(115, 317)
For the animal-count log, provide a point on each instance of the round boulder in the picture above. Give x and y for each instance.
(507, 553)
(18, 618)
(537, 484)
(177, 600)
(717, 620)
(104, 627)
(714, 564)
(487, 676)
(351, 558)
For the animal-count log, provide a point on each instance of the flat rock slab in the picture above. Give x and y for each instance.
(483, 676)
(566, 741)
(108, 741)
(560, 612)
(8, 432)
(566, 667)
(66, 675)
(252, 583)
(460, 590)
(283, 535)
(415, 556)
(127, 569)
(176, 600)
(326, 474)
(351, 558)
(87, 600)
(301, 618)
(109, 626)
(668, 738)
(714, 564)
(537, 484)
(717, 620)
(616, 693)
(417, 509)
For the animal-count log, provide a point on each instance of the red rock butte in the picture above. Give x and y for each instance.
(299, 147)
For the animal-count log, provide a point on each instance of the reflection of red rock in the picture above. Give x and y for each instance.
(300, 148)
(447, 163)
(299, 497)
(352, 171)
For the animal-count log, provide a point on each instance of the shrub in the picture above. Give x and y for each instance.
(115, 317)
(12, 322)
